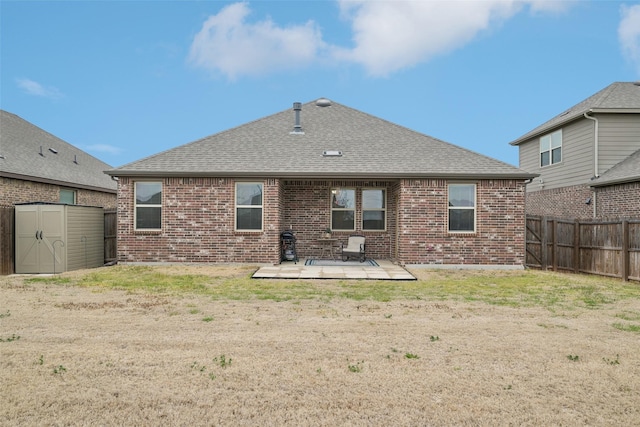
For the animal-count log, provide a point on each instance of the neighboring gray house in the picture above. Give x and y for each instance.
(228, 197)
(587, 158)
(36, 166)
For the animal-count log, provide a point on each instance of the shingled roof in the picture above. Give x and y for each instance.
(29, 153)
(627, 170)
(619, 97)
(334, 141)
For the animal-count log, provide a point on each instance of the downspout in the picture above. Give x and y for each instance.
(595, 148)
(595, 155)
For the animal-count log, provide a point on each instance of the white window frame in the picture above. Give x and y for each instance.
(238, 206)
(334, 209)
(136, 206)
(546, 146)
(383, 209)
(474, 208)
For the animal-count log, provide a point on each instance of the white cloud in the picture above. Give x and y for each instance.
(229, 45)
(34, 88)
(104, 148)
(388, 35)
(629, 34)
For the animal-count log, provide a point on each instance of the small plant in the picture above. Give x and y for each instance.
(41, 360)
(395, 350)
(222, 361)
(59, 369)
(212, 376)
(357, 367)
(573, 358)
(388, 316)
(434, 338)
(13, 337)
(207, 319)
(7, 314)
(411, 356)
(194, 311)
(198, 367)
(615, 361)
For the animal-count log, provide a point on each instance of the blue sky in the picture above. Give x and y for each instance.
(124, 80)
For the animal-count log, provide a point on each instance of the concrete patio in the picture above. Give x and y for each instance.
(385, 270)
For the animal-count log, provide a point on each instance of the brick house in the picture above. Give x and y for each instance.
(227, 197)
(36, 166)
(587, 158)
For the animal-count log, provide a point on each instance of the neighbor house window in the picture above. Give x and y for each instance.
(249, 206)
(343, 209)
(551, 148)
(462, 208)
(374, 208)
(148, 205)
(67, 196)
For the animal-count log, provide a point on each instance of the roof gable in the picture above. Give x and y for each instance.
(30, 153)
(616, 98)
(369, 147)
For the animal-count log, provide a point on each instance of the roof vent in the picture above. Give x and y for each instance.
(332, 153)
(637, 83)
(297, 128)
(323, 102)
(53, 150)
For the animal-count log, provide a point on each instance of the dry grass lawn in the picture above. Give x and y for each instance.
(218, 348)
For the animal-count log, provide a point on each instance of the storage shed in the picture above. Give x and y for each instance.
(53, 238)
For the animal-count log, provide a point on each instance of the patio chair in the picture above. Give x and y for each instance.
(355, 248)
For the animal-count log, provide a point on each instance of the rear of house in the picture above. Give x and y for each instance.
(227, 197)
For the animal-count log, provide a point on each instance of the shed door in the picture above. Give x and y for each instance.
(27, 248)
(40, 229)
(51, 243)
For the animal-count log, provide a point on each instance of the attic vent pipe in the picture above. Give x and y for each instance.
(297, 128)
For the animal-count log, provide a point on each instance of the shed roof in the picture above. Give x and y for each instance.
(363, 146)
(618, 97)
(28, 152)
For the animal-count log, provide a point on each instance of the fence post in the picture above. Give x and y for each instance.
(576, 246)
(543, 243)
(624, 256)
(554, 245)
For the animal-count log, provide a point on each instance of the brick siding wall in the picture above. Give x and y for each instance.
(618, 201)
(566, 202)
(198, 222)
(14, 191)
(500, 224)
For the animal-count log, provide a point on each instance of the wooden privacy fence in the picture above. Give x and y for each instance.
(6, 241)
(606, 248)
(7, 238)
(110, 236)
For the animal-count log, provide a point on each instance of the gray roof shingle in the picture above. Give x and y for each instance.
(627, 170)
(21, 144)
(617, 97)
(371, 147)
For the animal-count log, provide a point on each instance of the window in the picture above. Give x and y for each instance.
(551, 148)
(343, 209)
(67, 196)
(148, 205)
(373, 210)
(462, 208)
(249, 206)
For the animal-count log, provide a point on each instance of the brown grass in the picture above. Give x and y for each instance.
(74, 354)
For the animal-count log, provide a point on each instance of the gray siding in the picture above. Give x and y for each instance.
(576, 167)
(85, 237)
(619, 138)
